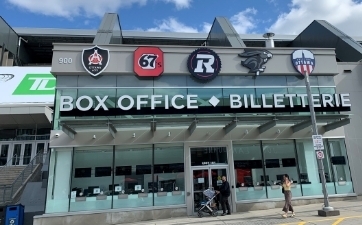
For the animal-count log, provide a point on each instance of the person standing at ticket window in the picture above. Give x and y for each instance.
(288, 196)
(225, 194)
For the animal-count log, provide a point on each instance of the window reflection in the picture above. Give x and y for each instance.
(280, 159)
(248, 167)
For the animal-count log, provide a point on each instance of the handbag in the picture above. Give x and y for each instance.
(283, 190)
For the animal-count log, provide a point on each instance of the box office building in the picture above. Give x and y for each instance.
(144, 129)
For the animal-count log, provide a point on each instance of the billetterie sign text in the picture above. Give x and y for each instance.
(127, 102)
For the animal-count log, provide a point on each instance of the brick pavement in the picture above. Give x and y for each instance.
(351, 214)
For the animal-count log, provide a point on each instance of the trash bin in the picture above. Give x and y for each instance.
(14, 215)
(2, 215)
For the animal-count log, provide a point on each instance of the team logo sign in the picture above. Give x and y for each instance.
(256, 59)
(95, 60)
(6, 77)
(148, 61)
(204, 64)
(303, 61)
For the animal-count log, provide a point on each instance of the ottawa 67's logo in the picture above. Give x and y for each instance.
(148, 62)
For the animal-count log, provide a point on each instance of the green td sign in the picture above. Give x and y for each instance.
(36, 84)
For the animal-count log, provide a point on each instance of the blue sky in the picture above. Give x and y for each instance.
(247, 16)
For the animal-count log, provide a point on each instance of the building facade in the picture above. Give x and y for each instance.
(142, 123)
(129, 138)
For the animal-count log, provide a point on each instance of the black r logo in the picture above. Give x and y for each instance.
(204, 64)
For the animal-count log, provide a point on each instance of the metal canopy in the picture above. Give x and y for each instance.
(69, 131)
(264, 122)
(112, 130)
(222, 33)
(193, 126)
(334, 125)
(267, 126)
(229, 127)
(301, 126)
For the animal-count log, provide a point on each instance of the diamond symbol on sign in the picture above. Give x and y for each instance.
(214, 101)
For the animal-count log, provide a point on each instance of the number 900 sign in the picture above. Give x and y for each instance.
(65, 60)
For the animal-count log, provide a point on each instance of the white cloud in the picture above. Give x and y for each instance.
(180, 4)
(173, 25)
(243, 22)
(343, 14)
(88, 8)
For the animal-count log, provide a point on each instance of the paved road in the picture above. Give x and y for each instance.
(351, 214)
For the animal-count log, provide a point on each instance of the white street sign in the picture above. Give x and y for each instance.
(320, 155)
(318, 142)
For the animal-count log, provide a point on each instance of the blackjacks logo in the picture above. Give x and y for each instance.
(6, 77)
(204, 64)
(95, 60)
(256, 60)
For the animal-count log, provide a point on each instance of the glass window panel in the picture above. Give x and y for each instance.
(58, 191)
(28, 148)
(308, 166)
(269, 99)
(67, 81)
(205, 94)
(280, 159)
(248, 167)
(171, 92)
(110, 103)
(326, 81)
(295, 81)
(208, 156)
(193, 82)
(270, 81)
(91, 178)
(133, 92)
(132, 177)
(169, 182)
(4, 154)
(238, 91)
(170, 81)
(63, 92)
(90, 81)
(133, 81)
(16, 154)
(340, 166)
(297, 101)
(238, 81)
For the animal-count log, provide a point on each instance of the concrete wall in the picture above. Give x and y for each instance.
(350, 81)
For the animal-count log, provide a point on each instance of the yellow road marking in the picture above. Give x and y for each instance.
(338, 221)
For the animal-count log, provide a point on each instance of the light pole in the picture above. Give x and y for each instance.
(326, 206)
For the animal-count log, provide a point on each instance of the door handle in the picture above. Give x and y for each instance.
(188, 193)
(232, 186)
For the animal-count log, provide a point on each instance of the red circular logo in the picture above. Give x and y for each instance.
(148, 61)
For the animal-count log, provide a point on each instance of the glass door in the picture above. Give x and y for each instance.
(4, 154)
(22, 153)
(205, 178)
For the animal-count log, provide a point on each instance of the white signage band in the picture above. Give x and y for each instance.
(85, 103)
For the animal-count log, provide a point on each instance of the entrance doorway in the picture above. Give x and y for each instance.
(205, 177)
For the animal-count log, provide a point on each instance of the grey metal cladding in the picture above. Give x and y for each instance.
(321, 34)
(222, 33)
(109, 31)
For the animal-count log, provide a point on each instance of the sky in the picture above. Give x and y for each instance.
(247, 16)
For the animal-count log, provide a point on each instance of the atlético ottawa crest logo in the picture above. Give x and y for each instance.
(95, 60)
(303, 61)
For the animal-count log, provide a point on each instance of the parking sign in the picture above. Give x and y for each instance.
(318, 142)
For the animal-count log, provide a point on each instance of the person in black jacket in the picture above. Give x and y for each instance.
(225, 194)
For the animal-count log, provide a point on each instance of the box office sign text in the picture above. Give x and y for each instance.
(191, 104)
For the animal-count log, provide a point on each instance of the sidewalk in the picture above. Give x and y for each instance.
(351, 213)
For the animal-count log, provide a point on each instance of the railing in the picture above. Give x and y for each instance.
(8, 192)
